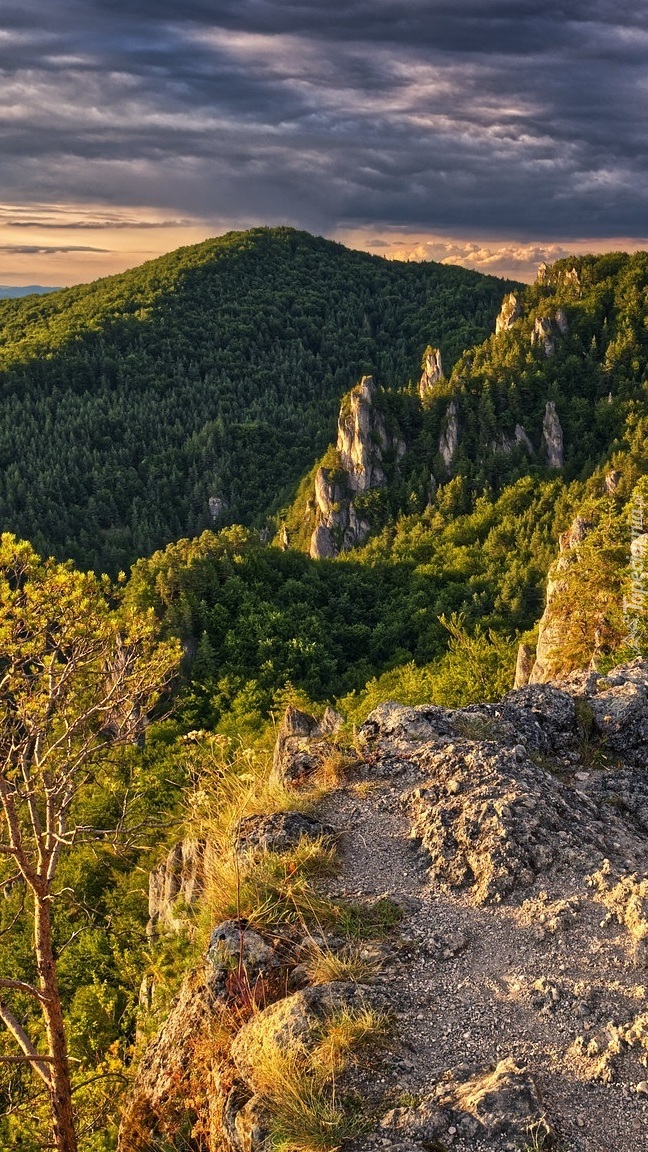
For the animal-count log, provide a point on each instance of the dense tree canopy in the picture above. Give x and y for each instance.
(214, 372)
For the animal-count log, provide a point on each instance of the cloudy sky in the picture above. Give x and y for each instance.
(494, 133)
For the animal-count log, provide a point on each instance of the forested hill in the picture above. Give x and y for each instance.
(196, 389)
(559, 385)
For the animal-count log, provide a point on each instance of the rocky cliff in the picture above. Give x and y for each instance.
(512, 840)
(432, 371)
(552, 624)
(175, 886)
(510, 311)
(552, 437)
(363, 445)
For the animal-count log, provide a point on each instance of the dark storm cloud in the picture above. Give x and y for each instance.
(510, 118)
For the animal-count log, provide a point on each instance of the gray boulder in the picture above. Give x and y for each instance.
(297, 754)
(235, 948)
(293, 1023)
(280, 831)
(621, 715)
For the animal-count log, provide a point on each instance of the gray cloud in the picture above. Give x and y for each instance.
(93, 225)
(494, 117)
(45, 249)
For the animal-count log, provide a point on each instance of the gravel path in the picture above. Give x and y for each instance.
(528, 978)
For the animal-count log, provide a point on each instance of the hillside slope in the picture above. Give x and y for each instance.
(506, 839)
(555, 390)
(199, 387)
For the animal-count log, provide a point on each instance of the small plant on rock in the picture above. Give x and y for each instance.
(539, 1138)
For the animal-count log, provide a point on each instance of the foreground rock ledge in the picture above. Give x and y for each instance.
(530, 820)
(478, 1102)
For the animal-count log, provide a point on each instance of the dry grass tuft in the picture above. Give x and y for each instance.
(272, 888)
(307, 1119)
(298, 1087)
(344, 1034)
(335, 768)
(323, 965)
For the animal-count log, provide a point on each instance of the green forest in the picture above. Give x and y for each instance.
(214, 372)
(218, 372)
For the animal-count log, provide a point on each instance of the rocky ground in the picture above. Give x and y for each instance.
(514, 840)
(508, 949)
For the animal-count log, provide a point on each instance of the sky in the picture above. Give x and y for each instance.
(490, 133)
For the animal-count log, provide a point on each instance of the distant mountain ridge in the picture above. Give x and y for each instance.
(13, 292)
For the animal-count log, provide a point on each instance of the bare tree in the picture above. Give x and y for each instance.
(76, 677)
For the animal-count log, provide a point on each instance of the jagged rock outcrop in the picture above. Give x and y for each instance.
(505, 444)
(432, 371)
(551, 625)
(449, 438)
(361, 446)
(157, 1107)
(296, 755)
(482, 1103)
(545, 329)
(339, 527)
(522, 440)
(552, 436)
(331, 722)
(180, 1083)
(543, 334)
(217, 506)
(302, 746)
(510, 311)
(524, 665)
(612, 481)
(566, 277)
(280, 831)
(362, 438)
(561, 321)
(175, 885)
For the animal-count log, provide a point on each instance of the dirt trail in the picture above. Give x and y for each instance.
(475, 984)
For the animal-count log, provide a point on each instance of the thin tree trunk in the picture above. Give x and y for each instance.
(60, 1087)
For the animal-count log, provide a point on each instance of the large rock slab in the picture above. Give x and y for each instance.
(280, 831)
(492, 820)
(504, 795)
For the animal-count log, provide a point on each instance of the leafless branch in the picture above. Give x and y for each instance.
(38, 1063)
